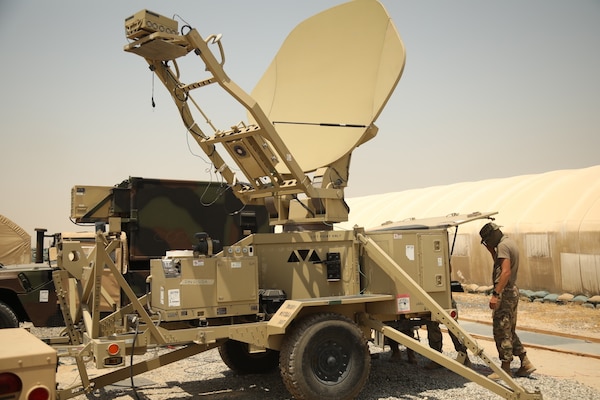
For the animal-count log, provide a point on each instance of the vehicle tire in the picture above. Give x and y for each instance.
(237, 357)
(325, 357)
(8, 319)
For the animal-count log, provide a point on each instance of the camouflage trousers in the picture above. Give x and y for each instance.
(434, 335)
(504, 325)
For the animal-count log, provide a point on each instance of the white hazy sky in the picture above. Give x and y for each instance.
(490, 90)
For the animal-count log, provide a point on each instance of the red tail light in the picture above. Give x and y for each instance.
(10, 383)
(39, 393)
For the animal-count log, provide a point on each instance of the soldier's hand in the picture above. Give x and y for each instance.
(493, 302)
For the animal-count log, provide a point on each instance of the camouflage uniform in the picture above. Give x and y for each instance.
(505, 315)
(505, 322)
(503, 250)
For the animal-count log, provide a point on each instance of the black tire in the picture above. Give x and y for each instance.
(325, 357)
(8, 319)
(237, 357)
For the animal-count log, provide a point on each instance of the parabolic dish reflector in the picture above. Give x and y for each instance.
(330, 80)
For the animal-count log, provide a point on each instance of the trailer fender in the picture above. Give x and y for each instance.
(290, 309)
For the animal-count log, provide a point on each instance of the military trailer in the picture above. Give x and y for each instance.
(310, 297)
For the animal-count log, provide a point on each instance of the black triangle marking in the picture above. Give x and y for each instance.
(303, 254)
(314, 257)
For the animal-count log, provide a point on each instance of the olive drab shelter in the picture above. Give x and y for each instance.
(554, 217)
(15, 243)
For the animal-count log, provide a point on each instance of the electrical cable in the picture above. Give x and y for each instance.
(137, 325)
(295, 197)
(219, 194)
(152, 96)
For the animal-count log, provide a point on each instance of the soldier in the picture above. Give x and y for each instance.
(505, 298)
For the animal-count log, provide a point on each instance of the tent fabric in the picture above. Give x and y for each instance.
(554, 217)
(15, 243)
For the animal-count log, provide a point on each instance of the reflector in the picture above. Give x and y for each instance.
(113, 349)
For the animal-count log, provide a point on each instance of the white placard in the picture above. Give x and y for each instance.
(410, 252)
(174, 298)
(403, 303)
(44, 296)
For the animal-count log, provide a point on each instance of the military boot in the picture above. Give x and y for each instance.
(526, 366)
(506, 367)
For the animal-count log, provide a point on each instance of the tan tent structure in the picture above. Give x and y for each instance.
(554, 216)
(15, 243)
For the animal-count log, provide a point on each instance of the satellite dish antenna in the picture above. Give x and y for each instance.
(330, 80)
(316, 102)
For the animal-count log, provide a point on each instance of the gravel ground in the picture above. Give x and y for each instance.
(206, 376)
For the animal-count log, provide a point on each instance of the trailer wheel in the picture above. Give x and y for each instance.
(8, 319)
(237, 357)
(325, 357)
